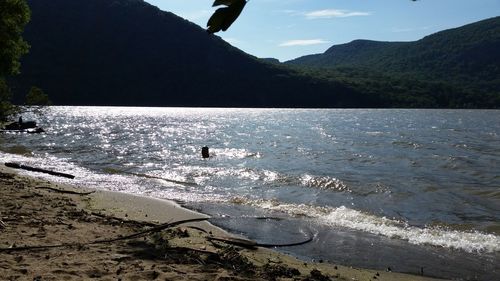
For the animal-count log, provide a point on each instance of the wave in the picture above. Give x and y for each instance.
(324, 183)
(343, 217)
(234, 153)
(202, 175)
(471, 241)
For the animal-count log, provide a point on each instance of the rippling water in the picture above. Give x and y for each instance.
(400, 188)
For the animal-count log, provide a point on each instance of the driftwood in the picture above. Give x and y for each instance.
(65, 191)
(40, 170)
(246, 243)
(199, 229)
(151, 230)
(103, 241)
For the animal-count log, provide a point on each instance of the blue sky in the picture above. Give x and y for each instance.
(286, 29)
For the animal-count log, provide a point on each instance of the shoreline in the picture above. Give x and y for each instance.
(32, 214)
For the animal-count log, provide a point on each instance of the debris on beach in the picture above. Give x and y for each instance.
(39, 170)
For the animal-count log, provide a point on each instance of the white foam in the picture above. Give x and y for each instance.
(323, 183)
(468, 241)
(352, 219)
(234, 153)
(335, 217)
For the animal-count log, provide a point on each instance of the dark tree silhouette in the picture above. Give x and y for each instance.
(14, 15)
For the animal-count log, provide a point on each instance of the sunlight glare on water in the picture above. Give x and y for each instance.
(426, 177)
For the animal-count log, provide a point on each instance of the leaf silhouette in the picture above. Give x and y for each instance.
(224, 17)
(223, 2)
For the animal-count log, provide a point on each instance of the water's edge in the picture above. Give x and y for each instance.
(379, 188)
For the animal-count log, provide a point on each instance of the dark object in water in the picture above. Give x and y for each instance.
(204, 152)
(40, 170)
(22, 127)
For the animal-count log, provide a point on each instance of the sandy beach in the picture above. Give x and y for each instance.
(53, 232)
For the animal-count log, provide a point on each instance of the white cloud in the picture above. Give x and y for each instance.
(334, 13)
(303, 42)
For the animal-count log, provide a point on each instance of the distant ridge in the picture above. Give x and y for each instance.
(356, 53)
(467, 57)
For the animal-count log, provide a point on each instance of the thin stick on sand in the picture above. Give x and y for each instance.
(102, 241)
(65, 191)
(40, 170)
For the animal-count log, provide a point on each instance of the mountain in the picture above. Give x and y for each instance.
(358, 53)
(466, 58)
(128, 52)
(270, 60)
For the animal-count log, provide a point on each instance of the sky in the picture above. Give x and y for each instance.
(287, 29)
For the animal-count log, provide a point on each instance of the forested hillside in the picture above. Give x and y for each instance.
(457, 68)
(128, 52)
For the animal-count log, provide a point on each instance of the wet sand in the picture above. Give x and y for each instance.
(47, 234)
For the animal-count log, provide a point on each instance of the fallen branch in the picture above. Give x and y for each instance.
(151, 230)
(40, 170)
(65, 191)
(199, 229)
(2, 224)
(103, 241)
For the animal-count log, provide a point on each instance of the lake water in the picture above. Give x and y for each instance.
(403, 189)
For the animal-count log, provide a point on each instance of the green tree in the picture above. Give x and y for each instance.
(6, 108)
(36, 97)
(36, 101)
(14, 15)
